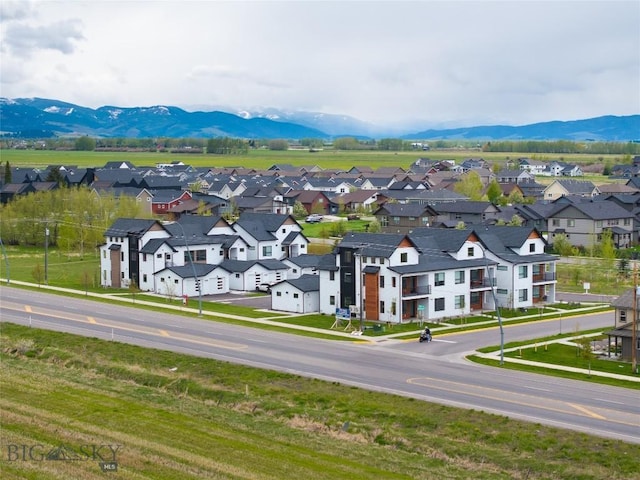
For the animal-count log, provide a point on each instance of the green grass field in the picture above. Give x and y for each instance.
(179, 417)
(327, 159)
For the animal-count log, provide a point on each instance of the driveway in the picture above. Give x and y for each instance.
(248, 299)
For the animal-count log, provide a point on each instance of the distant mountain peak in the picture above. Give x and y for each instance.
(46, 117)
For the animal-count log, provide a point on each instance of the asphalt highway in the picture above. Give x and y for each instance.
(434, 372)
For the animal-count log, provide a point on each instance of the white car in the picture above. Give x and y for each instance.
(264, 287)
(313, 218)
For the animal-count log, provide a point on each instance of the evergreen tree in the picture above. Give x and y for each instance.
(7, 173)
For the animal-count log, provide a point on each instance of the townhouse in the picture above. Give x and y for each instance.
(432, 274)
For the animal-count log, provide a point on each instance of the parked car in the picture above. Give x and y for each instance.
(264, 287)
(313, 218)
(353, 216)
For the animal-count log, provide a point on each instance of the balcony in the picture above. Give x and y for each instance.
(418, 291)
(544, 277)
(483, 283)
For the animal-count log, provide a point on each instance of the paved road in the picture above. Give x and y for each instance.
(433, 372)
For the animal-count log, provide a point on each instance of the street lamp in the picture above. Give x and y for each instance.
(495, 303)
(193, 267)
(46, 254)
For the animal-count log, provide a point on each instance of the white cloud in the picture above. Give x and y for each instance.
(385, 62)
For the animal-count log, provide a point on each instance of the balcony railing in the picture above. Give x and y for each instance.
(544, 277)
(485, 282)
(419, 290)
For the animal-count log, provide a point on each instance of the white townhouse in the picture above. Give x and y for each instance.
(120, 254)
(392, 278)
(136, 250)
(433, 274)
(525, 275)
(248, 275)
(271, 236)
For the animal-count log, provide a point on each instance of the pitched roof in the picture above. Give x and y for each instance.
(125, 226)
(305, 283)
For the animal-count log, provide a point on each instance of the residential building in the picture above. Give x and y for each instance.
(624, 332)
(432, 274)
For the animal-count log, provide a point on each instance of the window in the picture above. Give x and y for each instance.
(439, 279)
(404, 257)
(122, 256)
(470, 252)
(532, 248)
(381, 281)
(144, 257)
(459, 277)
(523, 271)
(393, 282)
(623, 316)
(555, 222)
(266, 251)
(221, 252)
(571, 222)
(393, 307)
(278, 294)
(237, 275)
(381, 260)
(332, 300)
(395, 220)
(523, 295)
(502, 268)
(502, 291)
(439, 304)
(459, 302)
(598, 223)
(627, 221)
(384, 221)
(347, 277)
(295, 295)
(159, 255)
(144, 278)
(425, 221)
(381, 306)
(332, 275)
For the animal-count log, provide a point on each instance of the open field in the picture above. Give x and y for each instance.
(326, 159)
(170, 416)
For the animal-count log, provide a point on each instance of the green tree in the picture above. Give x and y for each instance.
(374, 226)
(7, 173)
(38, 274)
(470, 185)
(298, 210)
(494, 192)
(585, 351)
(85, 144)
(563, 247)
(516, 221)
(515, 197)
(55, 175)
(346, 143)
(278, 144)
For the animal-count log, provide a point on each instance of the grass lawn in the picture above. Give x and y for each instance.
(179, 417)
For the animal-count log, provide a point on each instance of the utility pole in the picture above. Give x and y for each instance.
(46, 254)
(634, 326)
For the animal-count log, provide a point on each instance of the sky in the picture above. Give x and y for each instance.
(430, 63)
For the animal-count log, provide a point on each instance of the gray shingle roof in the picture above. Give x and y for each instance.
(306, 283)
